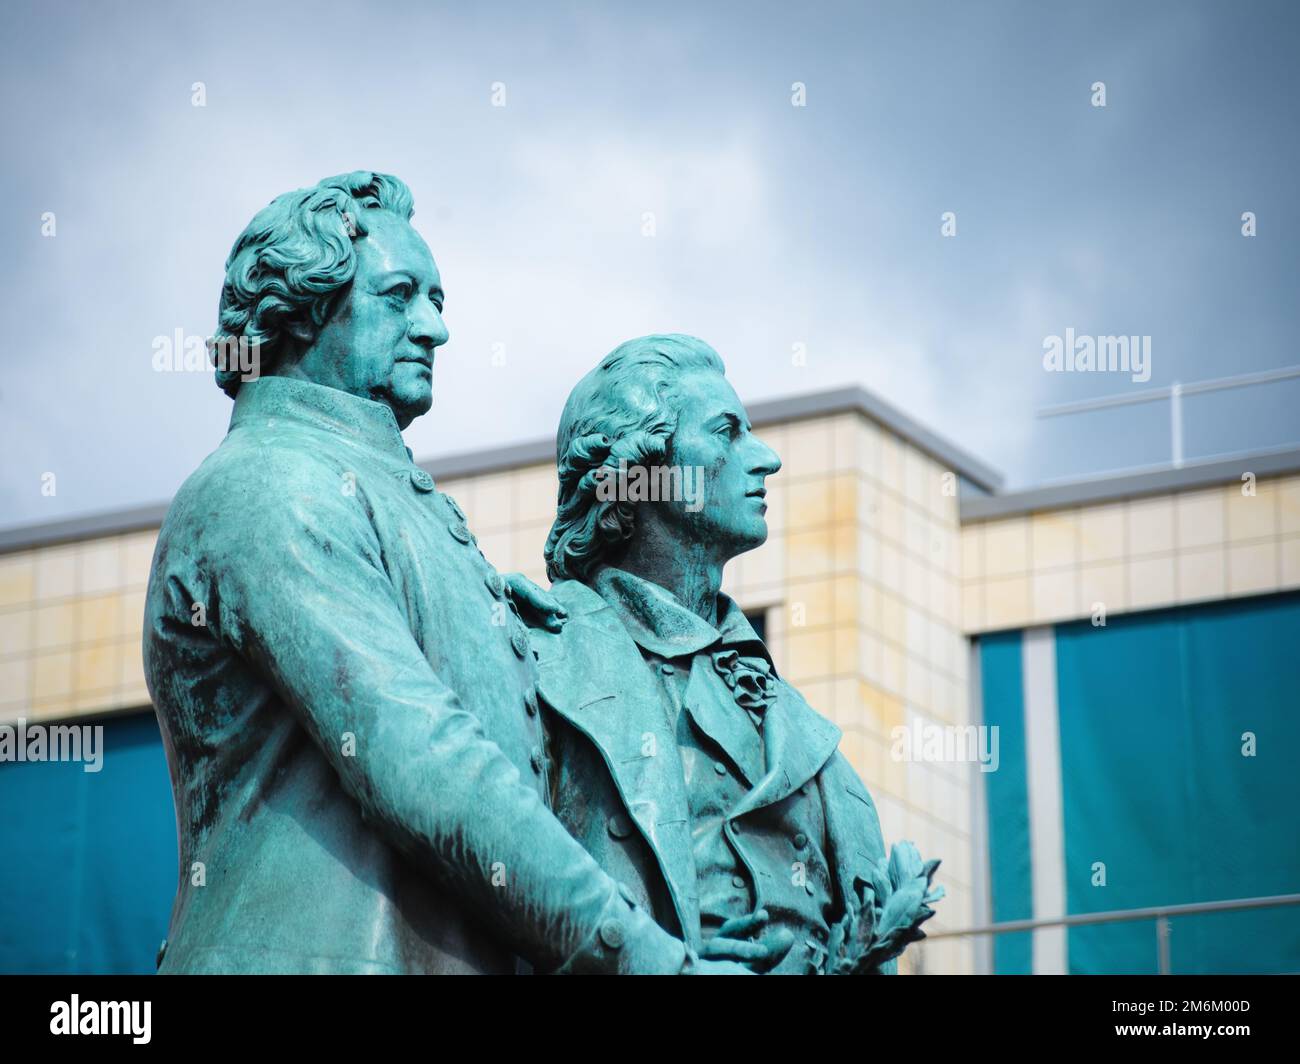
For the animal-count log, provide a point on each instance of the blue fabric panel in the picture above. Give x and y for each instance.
(88, 859)
(1152, 710)
(1007, 799)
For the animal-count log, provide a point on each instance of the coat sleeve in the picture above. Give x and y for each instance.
(296, 584)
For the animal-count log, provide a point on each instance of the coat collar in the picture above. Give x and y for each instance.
(658, 622)
(798, 740)
(361, 421)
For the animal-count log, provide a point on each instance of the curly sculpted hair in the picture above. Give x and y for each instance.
(296, 257)
(624, 409)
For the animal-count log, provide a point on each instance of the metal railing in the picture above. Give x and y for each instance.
(1159, 913)
(1174, 393)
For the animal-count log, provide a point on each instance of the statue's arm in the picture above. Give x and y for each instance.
(894, 894)
(301, 593)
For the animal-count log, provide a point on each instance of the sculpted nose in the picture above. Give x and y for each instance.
(427, 327)
(766, 461)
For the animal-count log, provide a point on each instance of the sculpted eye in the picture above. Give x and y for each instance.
(400, 291)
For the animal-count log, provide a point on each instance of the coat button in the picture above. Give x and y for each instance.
(800, 841)
(496, 583)
(611, 933)
(620, 826)
(519, 641)
(719, 768)
(460, 532)
(530, 701)
(421, 480)
(537, 760)
(737, 881)
(667, 669)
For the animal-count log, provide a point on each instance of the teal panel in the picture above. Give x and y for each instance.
(1152, 711)
(1007, 800)
(88, 859)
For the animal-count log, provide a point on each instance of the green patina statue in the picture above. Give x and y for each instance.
(344, 684)
(683, 762)
(349, 699)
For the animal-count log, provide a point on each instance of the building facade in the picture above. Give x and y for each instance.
(1112, 635)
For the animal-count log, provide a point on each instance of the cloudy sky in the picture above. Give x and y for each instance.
(774, 225)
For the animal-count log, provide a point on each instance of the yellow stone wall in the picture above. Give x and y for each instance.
(1144, 553)
(70, 622)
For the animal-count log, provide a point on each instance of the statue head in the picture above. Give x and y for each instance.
(660, 404)
(334, 286)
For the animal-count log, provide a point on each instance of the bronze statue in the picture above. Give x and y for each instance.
(344, 683)
(683, 762)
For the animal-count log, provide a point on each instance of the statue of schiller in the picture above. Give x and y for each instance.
(683, 762)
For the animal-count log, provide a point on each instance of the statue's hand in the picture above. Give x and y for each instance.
(538, 608)
(732, 942)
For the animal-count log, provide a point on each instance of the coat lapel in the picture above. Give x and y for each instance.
(594, 676)
(799, 743)
(726, 723)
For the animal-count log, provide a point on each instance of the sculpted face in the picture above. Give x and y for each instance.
(380, 339)
(713, 433)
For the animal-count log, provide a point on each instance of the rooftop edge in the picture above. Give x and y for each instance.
(1113, 487)
(474, 463)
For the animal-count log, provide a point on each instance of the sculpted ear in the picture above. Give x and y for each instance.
(300, 330)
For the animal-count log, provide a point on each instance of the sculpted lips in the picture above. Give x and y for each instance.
(760, 494)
